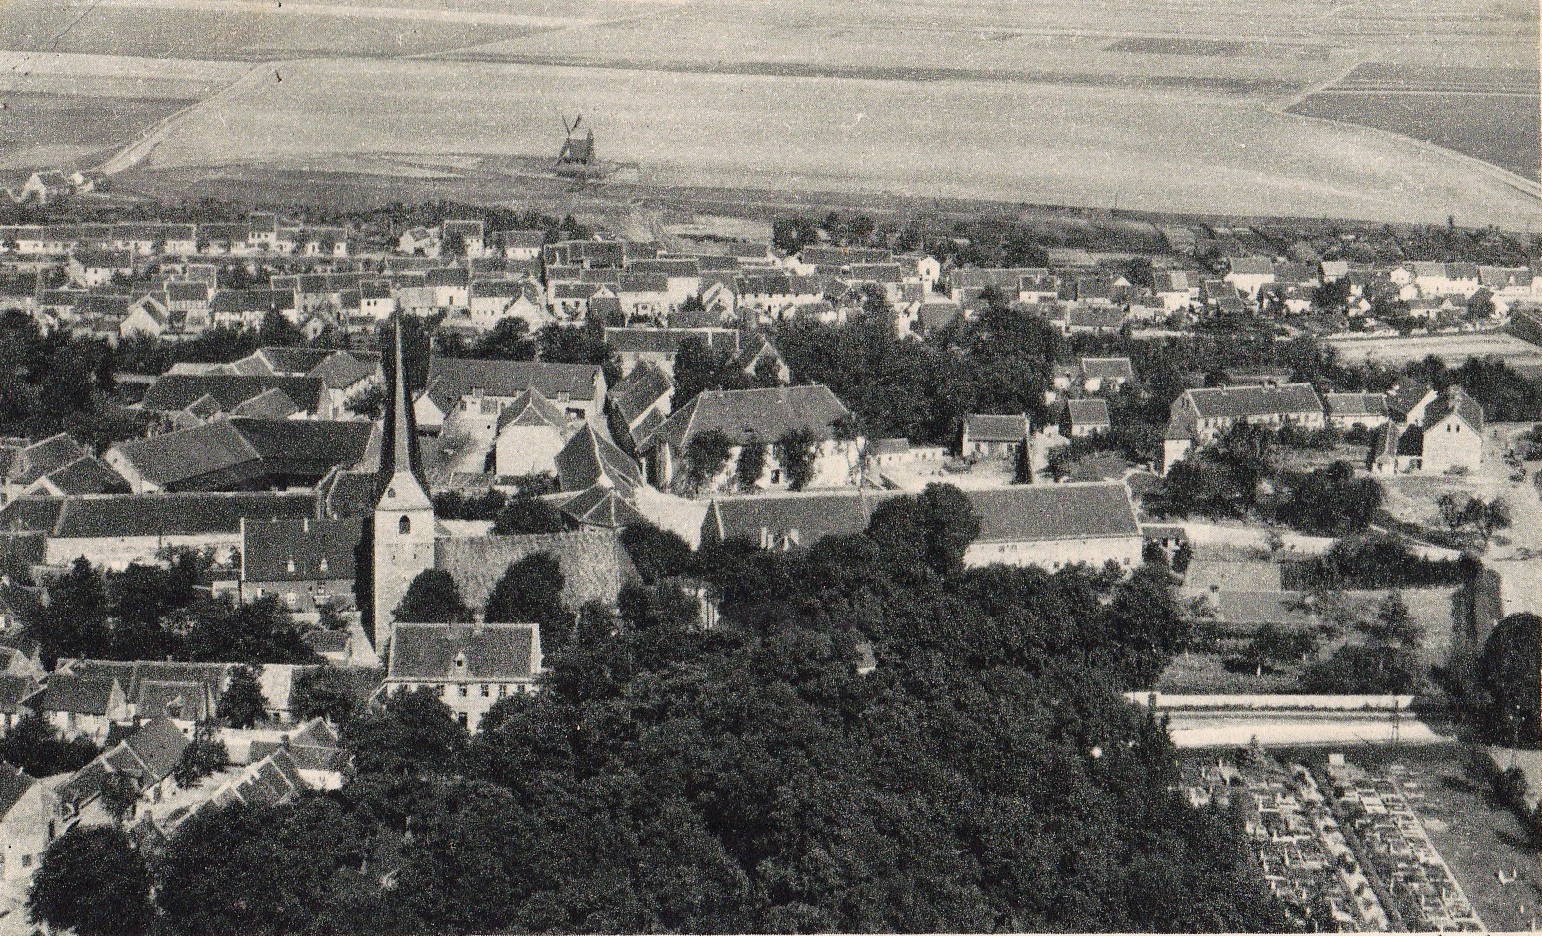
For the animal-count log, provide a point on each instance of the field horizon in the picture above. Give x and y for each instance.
(1184, 106)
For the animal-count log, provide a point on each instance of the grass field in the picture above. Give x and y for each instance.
(1453, 349)
(1158, 106)
(1499, 129)
(65, 129)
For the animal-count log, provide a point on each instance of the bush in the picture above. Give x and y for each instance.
(1372, 563)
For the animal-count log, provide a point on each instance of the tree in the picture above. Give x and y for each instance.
(74, 622)
(242, 705)
(120, 795)
(797, 452)
(93, 882)
(752, 464)
(529, 590)
(1453, 511)
(1509, 674)
(508, 341)
(276, 330)
(1491, 517)
(323, 692)
(414, 732)
(205, 755)
(705, 455)
(655, 552)
(434, 598)
(33, 746)
(525, 514)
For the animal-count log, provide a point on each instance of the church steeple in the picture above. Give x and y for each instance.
(404, 527)
(403, 481)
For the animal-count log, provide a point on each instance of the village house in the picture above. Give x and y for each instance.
(991, 436)
(1087, 417)
(1453, 433)
(146, 758)
(1106, 375)
(1249, 274)
(1201, 415)
(203, 396)
(29, 822)
(770, 297)
(470, 394)
(530, 431)
(468, 666)
(307, 564)
(185, 693)
(25, 466)
(660, 346)
(765, 416)
(524, 246)
(93, 269)
(82, 706)
(1177, 290)
(641, 402)
(115, 530)
(1348, 410)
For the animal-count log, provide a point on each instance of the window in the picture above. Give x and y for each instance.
(486, 690)
(503, 690)
(404, 525)
(464, 690)
(463, 718)
(26, 861)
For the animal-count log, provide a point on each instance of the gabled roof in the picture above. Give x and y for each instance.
(640, 389)
(158, 514)
(1405, 396)
(795, 519)
(531, 408)
(173, 392)
(1357, 404)
(589, 459)
(1243, 401)
(240, 452)
(1252, 266)
(464, 653)
(269, 404)
(15, 687)
(14, 784)
(625, 340)
(459, 376)
(87, 475)
(602, 506)
(763, 413)
(985, 427)
(40, 458)
(1087, 412)
(135, 675)
(300, 550)
(83, 695)
(1115, 368)
(1455, 400)
(1043, 512)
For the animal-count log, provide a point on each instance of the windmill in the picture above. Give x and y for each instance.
(576, 160)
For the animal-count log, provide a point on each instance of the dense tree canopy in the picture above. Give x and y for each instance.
(1508, 669)
(94, 882)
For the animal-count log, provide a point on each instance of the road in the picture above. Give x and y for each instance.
(1520, 578)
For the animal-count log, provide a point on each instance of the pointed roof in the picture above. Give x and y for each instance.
(590, 459)
(532, 408)
(405, 489)
(604, 507)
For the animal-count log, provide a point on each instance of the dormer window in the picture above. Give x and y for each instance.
(322, 565)
(460, 662)
(290, 564)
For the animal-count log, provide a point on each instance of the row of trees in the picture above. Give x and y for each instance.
(148, 612)
(986, 775)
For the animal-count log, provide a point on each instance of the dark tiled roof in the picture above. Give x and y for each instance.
(1087, 412)
(589, 459)
(602, 506)
(173, 514)
(460, 376)
(594, 565)
(1405, 396)
(764, 413)
(135, 675)
(984, 427)
(40, 458)
(14, 688)
(87, 475)
(1242, 402)
(798, 519)
(463, 653)
(1033, 513)
(85, 695)
(173, 392)
(240, 452)
(14, 784)
(270, 404)
(300, 550)
(186, 701)
(639, 390)
(1456, 400)
(667, 340)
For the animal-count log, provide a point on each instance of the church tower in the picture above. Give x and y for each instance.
(404, 515)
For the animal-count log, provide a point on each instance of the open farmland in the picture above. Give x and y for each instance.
(66, 129)
(1177, 106)
(1490, 114)
(1453, 349)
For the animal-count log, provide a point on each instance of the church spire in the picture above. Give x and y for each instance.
(401, 427)
(404, 490)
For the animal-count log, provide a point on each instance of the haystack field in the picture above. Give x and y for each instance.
(1174, 105)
